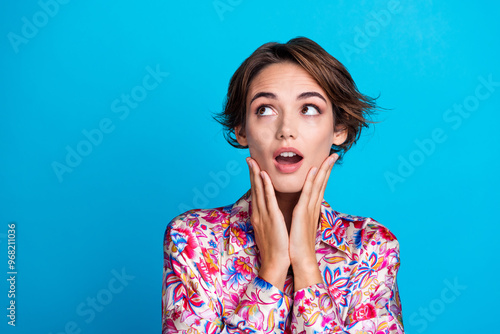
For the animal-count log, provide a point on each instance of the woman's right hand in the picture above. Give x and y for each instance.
(271, 234)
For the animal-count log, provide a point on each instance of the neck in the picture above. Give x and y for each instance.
(286, 203)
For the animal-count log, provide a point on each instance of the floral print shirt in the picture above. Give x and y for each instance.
(211, 282)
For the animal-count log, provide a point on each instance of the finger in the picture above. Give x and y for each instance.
(324, 180)
(320, 180)
(327, 177)
(259, 187)
(271, 201)
(307, 188)
(255, 209)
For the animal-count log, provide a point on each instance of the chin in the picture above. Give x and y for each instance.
(283, 186)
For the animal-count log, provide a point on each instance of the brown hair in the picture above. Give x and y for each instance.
(350, 107)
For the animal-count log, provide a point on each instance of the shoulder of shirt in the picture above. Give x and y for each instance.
(366, 230)
(367, 241)
(206, 217)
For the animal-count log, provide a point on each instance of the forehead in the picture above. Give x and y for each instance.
(284, 77)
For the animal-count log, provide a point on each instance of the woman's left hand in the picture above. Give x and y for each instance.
(304, 227)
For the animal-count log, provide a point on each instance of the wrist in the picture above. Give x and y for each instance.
(274, 274)
(304, 263)
(305, 275)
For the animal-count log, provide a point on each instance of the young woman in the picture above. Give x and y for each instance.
(281, 259)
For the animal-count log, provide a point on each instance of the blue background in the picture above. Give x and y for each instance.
(161, 154)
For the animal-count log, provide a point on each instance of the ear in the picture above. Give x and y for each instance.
(240, 134)
(339, 134)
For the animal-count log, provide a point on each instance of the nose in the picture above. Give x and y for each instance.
(286, 127)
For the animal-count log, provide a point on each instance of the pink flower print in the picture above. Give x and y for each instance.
(333, 228)
(386, 234)
(249, 309)
(240, 236)
(363, 312)
(341, 231)
(237, 272)
(214, 216)
(337, 285)
(242, 215)
(185, 241)
(210, 256)
(299, 295)
(327, 319)
(242, 265)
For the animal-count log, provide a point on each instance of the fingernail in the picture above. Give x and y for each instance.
(334, 157)
(314, 171)
(249, 162)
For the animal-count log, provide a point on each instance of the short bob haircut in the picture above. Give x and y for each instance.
(350, 108)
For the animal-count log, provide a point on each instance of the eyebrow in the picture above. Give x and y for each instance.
(305, 95)
(263, 94)
(302, 96)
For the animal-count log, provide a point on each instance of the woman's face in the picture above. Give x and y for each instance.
(287, 111)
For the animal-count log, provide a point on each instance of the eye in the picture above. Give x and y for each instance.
(309, 110)
(264, 111)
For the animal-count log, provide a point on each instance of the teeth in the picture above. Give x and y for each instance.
(287, 154)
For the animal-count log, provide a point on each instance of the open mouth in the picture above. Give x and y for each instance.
(288, 158)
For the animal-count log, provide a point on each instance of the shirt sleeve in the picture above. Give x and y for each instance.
(191, 293)
(374, 305)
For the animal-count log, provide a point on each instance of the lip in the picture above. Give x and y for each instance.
(289, 168)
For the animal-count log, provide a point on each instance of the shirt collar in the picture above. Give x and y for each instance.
(335, 229)
(332, 228)
(240, 229)
(342, 231)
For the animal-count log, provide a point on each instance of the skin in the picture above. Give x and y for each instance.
(286, 206)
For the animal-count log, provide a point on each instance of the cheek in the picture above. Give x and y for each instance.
(320, 145)
(259, 142)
